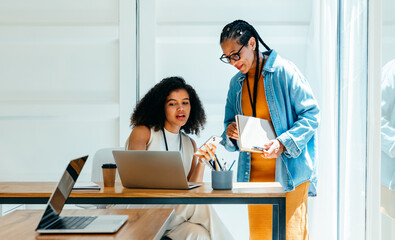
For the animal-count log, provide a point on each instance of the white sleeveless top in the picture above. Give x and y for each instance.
(202, 215)
(157, 143)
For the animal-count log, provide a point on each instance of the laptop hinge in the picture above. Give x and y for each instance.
(49, 218)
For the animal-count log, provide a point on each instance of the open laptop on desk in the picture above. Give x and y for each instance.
(51, 222)
(152, 169)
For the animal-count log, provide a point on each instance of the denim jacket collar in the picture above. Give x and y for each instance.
(271, 60)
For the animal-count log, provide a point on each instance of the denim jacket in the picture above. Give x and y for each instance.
(295, 116)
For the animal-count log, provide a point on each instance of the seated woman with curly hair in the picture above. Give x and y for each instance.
(160, 121)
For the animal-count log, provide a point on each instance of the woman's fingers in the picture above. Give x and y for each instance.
(208, 154)
(265, 154)
(268, 145)
(204, 154)
(210, 151)
(232, 131)
(211, 148)
(274, 150)
(272, 147)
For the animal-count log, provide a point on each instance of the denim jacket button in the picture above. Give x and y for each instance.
(246, 173)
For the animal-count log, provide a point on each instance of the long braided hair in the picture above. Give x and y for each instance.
(241, 31)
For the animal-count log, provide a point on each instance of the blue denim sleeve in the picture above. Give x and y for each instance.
(230, 113)
(306, 110)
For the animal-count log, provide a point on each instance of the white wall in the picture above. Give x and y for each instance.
(62, 67)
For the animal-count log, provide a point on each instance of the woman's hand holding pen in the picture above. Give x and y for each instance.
(231, 131)
(274, 149)
(209, 157)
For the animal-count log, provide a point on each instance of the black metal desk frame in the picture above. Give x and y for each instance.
(277, 202)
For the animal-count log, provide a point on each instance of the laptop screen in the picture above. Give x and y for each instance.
(62, 191)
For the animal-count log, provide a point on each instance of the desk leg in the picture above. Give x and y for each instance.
(275, 222)
(282, 214)
(279, 220)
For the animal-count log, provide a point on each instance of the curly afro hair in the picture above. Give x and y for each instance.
(150, 110)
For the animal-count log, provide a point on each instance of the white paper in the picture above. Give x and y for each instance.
(86, 186)
(253, 132)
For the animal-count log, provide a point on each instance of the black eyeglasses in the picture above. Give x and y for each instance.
(234, 56)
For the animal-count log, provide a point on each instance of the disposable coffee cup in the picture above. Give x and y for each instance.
(109, 171)
(222, 180)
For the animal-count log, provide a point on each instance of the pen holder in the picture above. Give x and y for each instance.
(222, 180)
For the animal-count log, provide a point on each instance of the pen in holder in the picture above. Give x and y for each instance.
(222, 180)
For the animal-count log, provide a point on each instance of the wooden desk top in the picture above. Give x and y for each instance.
(142, 224)
(240, 190)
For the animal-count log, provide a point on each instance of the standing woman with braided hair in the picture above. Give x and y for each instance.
(272, 88)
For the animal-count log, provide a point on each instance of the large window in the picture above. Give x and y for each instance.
(387, 182)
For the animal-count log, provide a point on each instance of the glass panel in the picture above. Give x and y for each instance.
(388, 122)
(352, 119)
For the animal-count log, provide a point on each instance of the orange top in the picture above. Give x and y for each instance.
(262, 169)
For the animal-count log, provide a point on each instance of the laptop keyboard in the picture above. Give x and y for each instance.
(76, 222)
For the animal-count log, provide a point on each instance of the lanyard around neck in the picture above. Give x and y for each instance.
(164, 138)
(256, 80)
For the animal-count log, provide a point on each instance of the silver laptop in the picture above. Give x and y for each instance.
(51, 222)
(152, 169)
